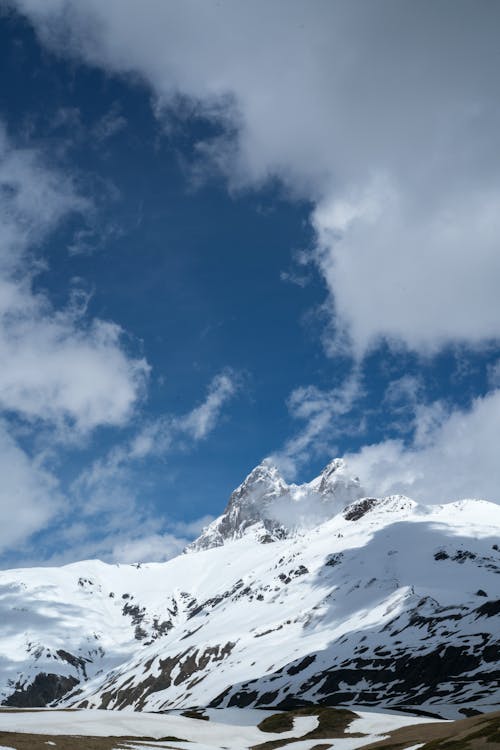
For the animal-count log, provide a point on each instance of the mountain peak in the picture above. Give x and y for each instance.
(338, 464)
(265, 473)
(248, 505)
(281, 509)
(337, 484)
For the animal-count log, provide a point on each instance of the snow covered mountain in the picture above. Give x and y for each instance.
(312, 593)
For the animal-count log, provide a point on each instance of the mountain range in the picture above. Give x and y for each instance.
(316, 593)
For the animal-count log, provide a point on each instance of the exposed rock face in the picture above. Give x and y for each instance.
(276, 509)
(359, 600)
(249, 504)
(44, 690)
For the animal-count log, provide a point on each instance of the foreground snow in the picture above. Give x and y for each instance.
(233, 728)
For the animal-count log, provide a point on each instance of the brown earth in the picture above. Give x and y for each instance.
(476, 733)
(19, 741)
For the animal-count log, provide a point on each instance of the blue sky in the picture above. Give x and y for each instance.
(233, 232)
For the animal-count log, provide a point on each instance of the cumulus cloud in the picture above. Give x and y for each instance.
(453, 455)
(449, 453)
(65, 372)
(384, 115)
(422, 277)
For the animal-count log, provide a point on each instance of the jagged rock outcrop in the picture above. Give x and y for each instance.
(276, 509)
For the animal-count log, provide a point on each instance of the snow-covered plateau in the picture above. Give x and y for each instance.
(310, 594)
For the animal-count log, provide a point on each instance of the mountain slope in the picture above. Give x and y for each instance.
(383, 603)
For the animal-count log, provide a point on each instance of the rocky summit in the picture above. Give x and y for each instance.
(315, 593)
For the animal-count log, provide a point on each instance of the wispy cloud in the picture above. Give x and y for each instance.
(158, 436)
(111, 123)
(143, 538)
(199, 422)
(324, 414)
(113, 520)
(494, 374)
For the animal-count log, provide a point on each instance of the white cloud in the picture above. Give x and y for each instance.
(422, 278)
(385, 115)
(158, 437)
(29, 495)
(324, 415)
(451, 453)
(61, 370)
(109, 517)
(454, 455)
(203, 418)
(57, 365)
(404, 391)
(131, 535)
(33, 200)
